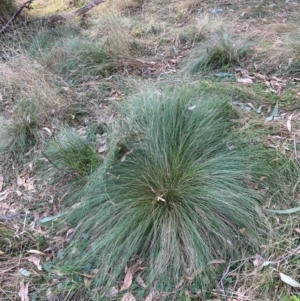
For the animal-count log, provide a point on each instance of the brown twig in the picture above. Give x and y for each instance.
(286, 256)
(227, 273)
(87, 7)
(15, 15)
(9, 217)
(224, 276)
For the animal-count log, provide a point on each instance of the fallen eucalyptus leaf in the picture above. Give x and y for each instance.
(275, 110)
(270, 118)
(246, 81)
(150, 297)
(140, 281)
(102, 148)
(288, 280)
(259, 109)
(217, 261)
(251, 106)
(289, 123)
(274, 114)
(36, 252)
(267, 263)
(192, 108)
(50, 218)
(128, 297)
(238, 103)
(24, 272)
(223, 74)
(23, 292)
(36, 261)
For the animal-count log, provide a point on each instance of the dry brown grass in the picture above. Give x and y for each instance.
(276, 46)
(24, 78)
(257, 277)
(120, 45)
(124, 5)
(20, 247)
(202, 27)
(30, 102)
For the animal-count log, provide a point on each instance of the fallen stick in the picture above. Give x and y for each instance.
(21, 7)
(86, 8)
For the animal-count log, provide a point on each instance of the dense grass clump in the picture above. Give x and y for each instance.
(70, 152)
(77, 57)
(171, 192)
(66, 53)
(221, 49)
(33, 103)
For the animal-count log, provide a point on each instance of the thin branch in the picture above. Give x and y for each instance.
(224, 276)
(87, 7)
(15, 15)
(227, 272)
(9, 217)
(286, 256)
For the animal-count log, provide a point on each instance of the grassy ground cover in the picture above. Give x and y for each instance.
(149, 151)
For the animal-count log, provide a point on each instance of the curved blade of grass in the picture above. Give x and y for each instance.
(284, 211)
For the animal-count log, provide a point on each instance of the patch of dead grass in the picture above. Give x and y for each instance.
(29, 102)
(277, 47)
(23, 78)
(258, 277)
(125, 5)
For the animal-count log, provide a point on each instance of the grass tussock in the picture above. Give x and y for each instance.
(29, 103)
(78, 60)
(71, 152)
(171, 193)
(174, 184)
(222, 49)
(208, 24)
(68, 52)
(118, 40)
(204, 26)
(277, 49)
